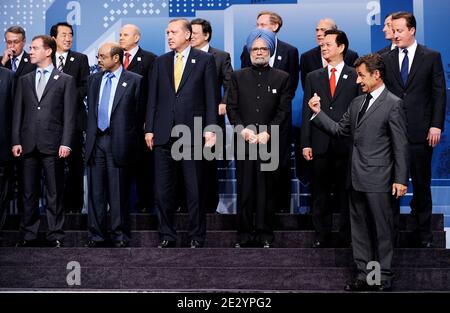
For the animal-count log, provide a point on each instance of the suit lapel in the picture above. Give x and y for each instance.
(190, 63)
(32, 81)
(342, 81)
(170, 69)
(325, 82)
(318, 58)
(373, 107)
(135, 61)
(396, 66)
(54, 76)
(417, 62)
(25, 59)
(68, 63)
(280, 55)
(122, 86)
(96, 87)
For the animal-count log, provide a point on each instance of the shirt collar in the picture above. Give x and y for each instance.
(338, 67)
(205, 48)
(19, 57)
(116, 73)
(57, 55)
(49, 68)
(184, 53)
(411, 49)
(133, 51)
(377, 92)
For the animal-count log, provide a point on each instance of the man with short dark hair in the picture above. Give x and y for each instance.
(415, 74)
(336, 85)
(15, 57)
(388, 34)
(76, 65)
(42, 135)
(377, 170)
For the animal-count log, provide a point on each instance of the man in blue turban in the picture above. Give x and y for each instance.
(259, 101)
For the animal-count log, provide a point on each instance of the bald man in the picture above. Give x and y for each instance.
(139, 61)
(112, 132)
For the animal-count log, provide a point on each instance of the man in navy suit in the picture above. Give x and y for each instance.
(285, 58)
(183, 86)
(76, 65)
(42, 136)
(111, 145)
(6, 105)
(415, 74)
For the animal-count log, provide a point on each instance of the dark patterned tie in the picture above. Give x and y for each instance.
(61, 63)
(405, 67)
(364, 107)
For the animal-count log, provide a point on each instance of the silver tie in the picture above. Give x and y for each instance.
(41, 84)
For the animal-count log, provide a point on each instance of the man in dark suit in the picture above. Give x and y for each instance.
(42, 135)
(111, 146)
(259, 100)
(337, 87)
(377, 171)
(76, 65)
(285, 58)
(312, 60)
(388, 34)
(183, 87)
(415, 74)
(15, 57)
(6, 106)
(139, 61)
(201, 36)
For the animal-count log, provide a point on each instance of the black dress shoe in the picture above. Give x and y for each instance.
(245, 244)
(320, 244)
(55, 243)
(267, 244)
(196, 244)
(426, 244)
(26, 243)
(384, 287)
(121, 244)
(167, 244)
(357, 285)
(94, 244)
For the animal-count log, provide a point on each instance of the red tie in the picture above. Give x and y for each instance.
(127, 60)
(332, 82)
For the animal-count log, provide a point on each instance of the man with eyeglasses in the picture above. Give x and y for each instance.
(76, 65)
(259, 101)
(15, 57)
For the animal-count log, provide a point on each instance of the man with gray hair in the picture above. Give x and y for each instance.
(259, 119)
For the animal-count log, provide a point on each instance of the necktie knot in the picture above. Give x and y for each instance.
(405, 51)
(127, 55)
(333, 70)
(368, 97)
(110, 75)
(126, 63)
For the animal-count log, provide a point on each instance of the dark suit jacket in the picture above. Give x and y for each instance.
(50, 123)
(6, 106)
(346, 90)
(124, 117)
(286, 59)
(196, 95)
(384, 50)
(271, 108)
(425, 91)
(224, 70)
(311, 60)
(25, 65)
(142, 64)
(77, 66)
(379, 144)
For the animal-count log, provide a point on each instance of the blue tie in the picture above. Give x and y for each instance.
(13, 64)
(405, 67)
(103, 108)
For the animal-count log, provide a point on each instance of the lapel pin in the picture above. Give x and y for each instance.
(25, 60)
(193, 61)
(280, 57)
(124, 84)
(72, 59)
(274, 91)
(55, 77)
(345, 76)
(139, 59)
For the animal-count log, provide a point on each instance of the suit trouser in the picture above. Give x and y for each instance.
(421, 203)
(166, 175)
(284, 188)
(145, 177)
(5, 190)
(108, 184)
(372, 232)
(328, 170)
(255, 195)
(53, 166)
(73, 190)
